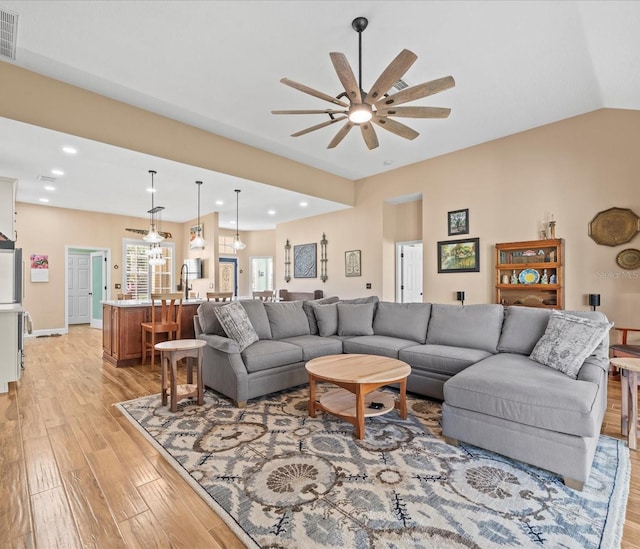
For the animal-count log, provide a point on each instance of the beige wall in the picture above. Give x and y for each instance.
(573, 169)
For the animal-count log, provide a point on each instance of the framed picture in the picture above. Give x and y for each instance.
(458, 222)
(352, 263)
(304, 261)
(459, 256)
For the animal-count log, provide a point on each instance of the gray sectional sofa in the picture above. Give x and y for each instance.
(476, 358)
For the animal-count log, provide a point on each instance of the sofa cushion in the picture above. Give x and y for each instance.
(287, 319)
(258, 317)
(515, 388)
(355, 319)
(266, 354)
(471, 326)
(402, 320)
(314, 346)
(522, 328)
(236, 324)
(376, 345)
(311, 316)
(327, 318)
(441, 359)
(568, 341)
(209, 323)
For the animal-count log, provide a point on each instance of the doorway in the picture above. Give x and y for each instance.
(228, 275)
(261, 273)
(86, 285)
(409, 272)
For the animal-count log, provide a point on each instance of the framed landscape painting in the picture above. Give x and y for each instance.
(458, 222)
(459, 256)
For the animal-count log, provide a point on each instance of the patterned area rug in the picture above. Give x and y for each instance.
(281, 479)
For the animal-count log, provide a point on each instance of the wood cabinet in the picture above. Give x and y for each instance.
(530, 273)
(121, 332)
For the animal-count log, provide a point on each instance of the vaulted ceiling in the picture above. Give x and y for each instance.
(216, 65)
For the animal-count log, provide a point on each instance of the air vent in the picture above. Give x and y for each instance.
(46, 179)
(8, 34)
(400, 85)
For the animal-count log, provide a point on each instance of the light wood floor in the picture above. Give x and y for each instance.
(75, 473)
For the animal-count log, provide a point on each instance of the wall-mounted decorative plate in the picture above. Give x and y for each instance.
(614, 226)
(629, 259)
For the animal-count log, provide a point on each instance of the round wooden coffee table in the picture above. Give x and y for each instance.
(358, 376)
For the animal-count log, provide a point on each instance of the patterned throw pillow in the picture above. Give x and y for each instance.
(568, 341)
(236, 324)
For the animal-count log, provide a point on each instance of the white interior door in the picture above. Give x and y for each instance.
(78, 288)
(98, 276)
(409, 272)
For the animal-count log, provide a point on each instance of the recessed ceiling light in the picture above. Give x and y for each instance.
(271, 212)
(44, 200)
(69, 150)
(388, 162)
(49, 188)
(304, 204)
(151, 189)
(232, 222)
(57, 172)
(219, 202)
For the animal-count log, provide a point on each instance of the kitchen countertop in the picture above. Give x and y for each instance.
(11, 308)
(146, 302)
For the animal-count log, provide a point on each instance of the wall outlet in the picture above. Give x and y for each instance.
(118, 286)
(368, 285)
(211, 285)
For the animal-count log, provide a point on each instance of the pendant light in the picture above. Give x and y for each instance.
(237, 244)
(155, 255)
(152, 236)
(198, 243)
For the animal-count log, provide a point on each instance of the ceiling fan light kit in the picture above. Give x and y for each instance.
(376, 105)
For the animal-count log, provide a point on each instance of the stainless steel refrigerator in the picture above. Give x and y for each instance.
(11, 317)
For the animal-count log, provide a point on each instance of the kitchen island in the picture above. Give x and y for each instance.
(121, 332)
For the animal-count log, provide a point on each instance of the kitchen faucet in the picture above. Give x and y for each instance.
(184, 269)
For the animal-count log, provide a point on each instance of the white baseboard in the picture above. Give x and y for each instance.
(45, 333)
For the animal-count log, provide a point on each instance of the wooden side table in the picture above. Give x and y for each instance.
(629, 370)
(170, 353)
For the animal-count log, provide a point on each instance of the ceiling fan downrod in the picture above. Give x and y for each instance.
(359, 24)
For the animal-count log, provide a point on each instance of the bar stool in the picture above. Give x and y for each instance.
(170, 353)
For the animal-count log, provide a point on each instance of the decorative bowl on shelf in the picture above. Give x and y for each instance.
(529, 276)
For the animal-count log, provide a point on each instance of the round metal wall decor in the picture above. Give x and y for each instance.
(629, 259)
(614, 226)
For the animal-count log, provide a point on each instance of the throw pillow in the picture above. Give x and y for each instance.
(287, 319)
(209, 323)
(355, 319)
(568, 341)
(307, 305)
(327, 318)
(236, 324)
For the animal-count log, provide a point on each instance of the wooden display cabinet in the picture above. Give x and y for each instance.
(530, 273)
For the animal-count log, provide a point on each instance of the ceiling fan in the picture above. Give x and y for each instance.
(376, 105)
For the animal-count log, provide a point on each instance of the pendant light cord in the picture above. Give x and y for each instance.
(237, 207)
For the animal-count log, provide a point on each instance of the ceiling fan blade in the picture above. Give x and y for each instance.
(346, 76)
(340, 135)
(316, 111)
(417, 92)
(395, 127)
(391, 75)
(311, 91)
(369, 134)
(415, 112)
(317, 126)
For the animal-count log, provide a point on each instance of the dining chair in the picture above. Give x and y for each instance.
(624, 349)
(167, 322)
(267, 295)
(219, 296)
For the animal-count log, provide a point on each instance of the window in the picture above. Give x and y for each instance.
(141, 279)
(225, 245)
